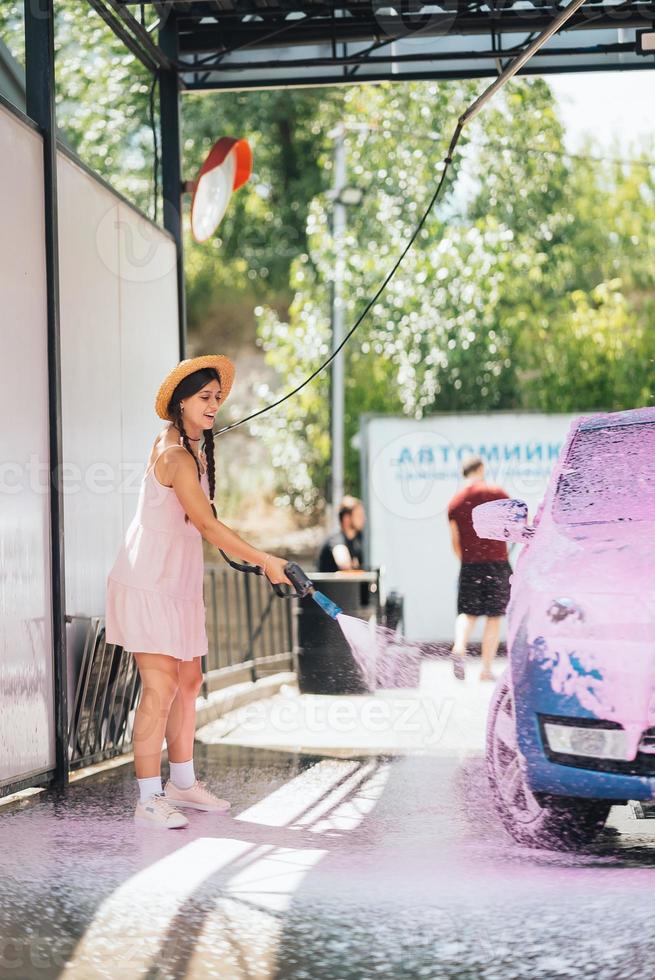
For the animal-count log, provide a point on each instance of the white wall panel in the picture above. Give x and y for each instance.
(26, 662)
(91, 385)
(119, 338)
(411, 469)
(149, 339)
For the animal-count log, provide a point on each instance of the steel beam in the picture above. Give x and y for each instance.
(290, 81)
(245, 44)
(226, 38)
(40, 106)
(355, 61)
(169, 104)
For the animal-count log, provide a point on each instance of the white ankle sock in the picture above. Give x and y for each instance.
(148, 786)
(182, 774)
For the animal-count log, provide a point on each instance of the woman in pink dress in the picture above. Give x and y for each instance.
(155, 606)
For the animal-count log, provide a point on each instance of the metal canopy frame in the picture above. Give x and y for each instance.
(241, 44)
(202, 45)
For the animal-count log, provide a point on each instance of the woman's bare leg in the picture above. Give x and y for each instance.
(181, 725)
(159, 684)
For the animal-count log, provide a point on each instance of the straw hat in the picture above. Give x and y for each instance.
(222, 364)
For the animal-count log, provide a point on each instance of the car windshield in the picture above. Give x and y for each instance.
(608, 475)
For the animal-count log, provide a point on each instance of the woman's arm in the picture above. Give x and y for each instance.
(184, 478)
(342, 558)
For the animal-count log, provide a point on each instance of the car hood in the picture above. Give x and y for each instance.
(599, 558)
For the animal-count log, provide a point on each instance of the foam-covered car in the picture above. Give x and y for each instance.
(571, 727)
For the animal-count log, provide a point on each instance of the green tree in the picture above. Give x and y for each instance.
(396, 176)
(103, 97)
(530, 286)
(588, 356)
(265, 227)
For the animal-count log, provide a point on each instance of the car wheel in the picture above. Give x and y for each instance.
(565, 823)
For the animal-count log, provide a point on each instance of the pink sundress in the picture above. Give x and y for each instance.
(154, 601)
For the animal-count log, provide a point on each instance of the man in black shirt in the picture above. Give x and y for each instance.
(342, 551)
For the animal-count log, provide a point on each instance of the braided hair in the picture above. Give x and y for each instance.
(189, 386)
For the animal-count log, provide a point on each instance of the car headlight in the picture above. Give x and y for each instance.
(596, 743)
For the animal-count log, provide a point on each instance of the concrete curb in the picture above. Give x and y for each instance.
(221, 702)
(208, 709)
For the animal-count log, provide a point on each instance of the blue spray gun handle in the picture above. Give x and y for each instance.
(304, 586)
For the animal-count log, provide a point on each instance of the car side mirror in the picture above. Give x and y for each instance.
(502, 520)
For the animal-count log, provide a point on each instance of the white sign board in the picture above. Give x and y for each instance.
(410, 470)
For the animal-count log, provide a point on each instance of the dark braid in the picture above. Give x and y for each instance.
(209, 456)
(186, 388)
(187, 445)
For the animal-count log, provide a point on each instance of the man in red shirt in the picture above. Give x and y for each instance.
(483, 586)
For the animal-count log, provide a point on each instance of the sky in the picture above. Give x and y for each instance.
(616, 108)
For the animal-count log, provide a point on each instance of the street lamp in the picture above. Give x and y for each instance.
(342, 197)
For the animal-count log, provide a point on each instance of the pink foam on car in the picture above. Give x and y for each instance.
(593, 548)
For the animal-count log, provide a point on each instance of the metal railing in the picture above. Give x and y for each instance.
(106, 695)
(250, 632)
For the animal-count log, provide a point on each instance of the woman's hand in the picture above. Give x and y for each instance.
(274, 570)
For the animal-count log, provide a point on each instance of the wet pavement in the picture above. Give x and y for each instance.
(386, 861)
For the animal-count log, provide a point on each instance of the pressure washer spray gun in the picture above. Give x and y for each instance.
(303, 585)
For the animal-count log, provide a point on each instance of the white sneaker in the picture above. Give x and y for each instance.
(197, 796)
(158, 811)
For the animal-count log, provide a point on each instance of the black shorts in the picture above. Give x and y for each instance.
(483, 588)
